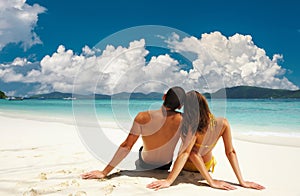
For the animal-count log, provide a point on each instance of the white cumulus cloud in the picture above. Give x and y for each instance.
(232, 61)
(17, 23)
(117, 69)
(220, 62)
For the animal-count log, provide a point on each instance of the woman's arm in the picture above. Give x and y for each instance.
(232, 157)
(178, 165)
(198, 162)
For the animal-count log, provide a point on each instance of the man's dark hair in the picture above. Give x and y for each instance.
(175, 98)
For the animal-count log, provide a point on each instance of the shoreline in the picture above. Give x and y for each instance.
(265, 137)
(47, 158)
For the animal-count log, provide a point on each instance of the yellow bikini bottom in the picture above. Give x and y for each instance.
(210, 165)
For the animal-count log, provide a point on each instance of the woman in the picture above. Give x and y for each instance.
(201, 131)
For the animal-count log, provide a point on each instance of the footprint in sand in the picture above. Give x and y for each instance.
(108, 189)
(80, 193)
(64, 184)
(64, 171)
(31, 192)
(75, 183)
(43, 176)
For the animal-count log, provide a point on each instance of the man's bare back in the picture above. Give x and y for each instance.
(159, 131)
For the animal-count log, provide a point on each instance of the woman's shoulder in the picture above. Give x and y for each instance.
(222, 123)
(221, 119)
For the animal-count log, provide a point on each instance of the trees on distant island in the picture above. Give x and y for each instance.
(252, 92)
(238, 92)
(2, 95)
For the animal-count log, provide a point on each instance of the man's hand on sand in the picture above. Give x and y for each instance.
(93, 175)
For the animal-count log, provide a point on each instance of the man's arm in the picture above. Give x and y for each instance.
(120, 154)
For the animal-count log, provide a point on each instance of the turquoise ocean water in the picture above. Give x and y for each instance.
(258, 117)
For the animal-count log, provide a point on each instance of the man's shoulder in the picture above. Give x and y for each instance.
(143, 117)
(178, 116)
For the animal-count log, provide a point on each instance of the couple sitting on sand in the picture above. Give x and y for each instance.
(160, 131)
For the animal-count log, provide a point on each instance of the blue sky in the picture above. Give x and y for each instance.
(273, 25)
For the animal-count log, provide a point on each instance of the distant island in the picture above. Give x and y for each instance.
(239, 92)
(2, 95)
(250, 92)
(124, 95)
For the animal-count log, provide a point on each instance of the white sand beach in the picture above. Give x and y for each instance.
(47, 158)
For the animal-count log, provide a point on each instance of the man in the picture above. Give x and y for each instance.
(160, 133)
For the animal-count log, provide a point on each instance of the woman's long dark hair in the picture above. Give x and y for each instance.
(196, 116)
